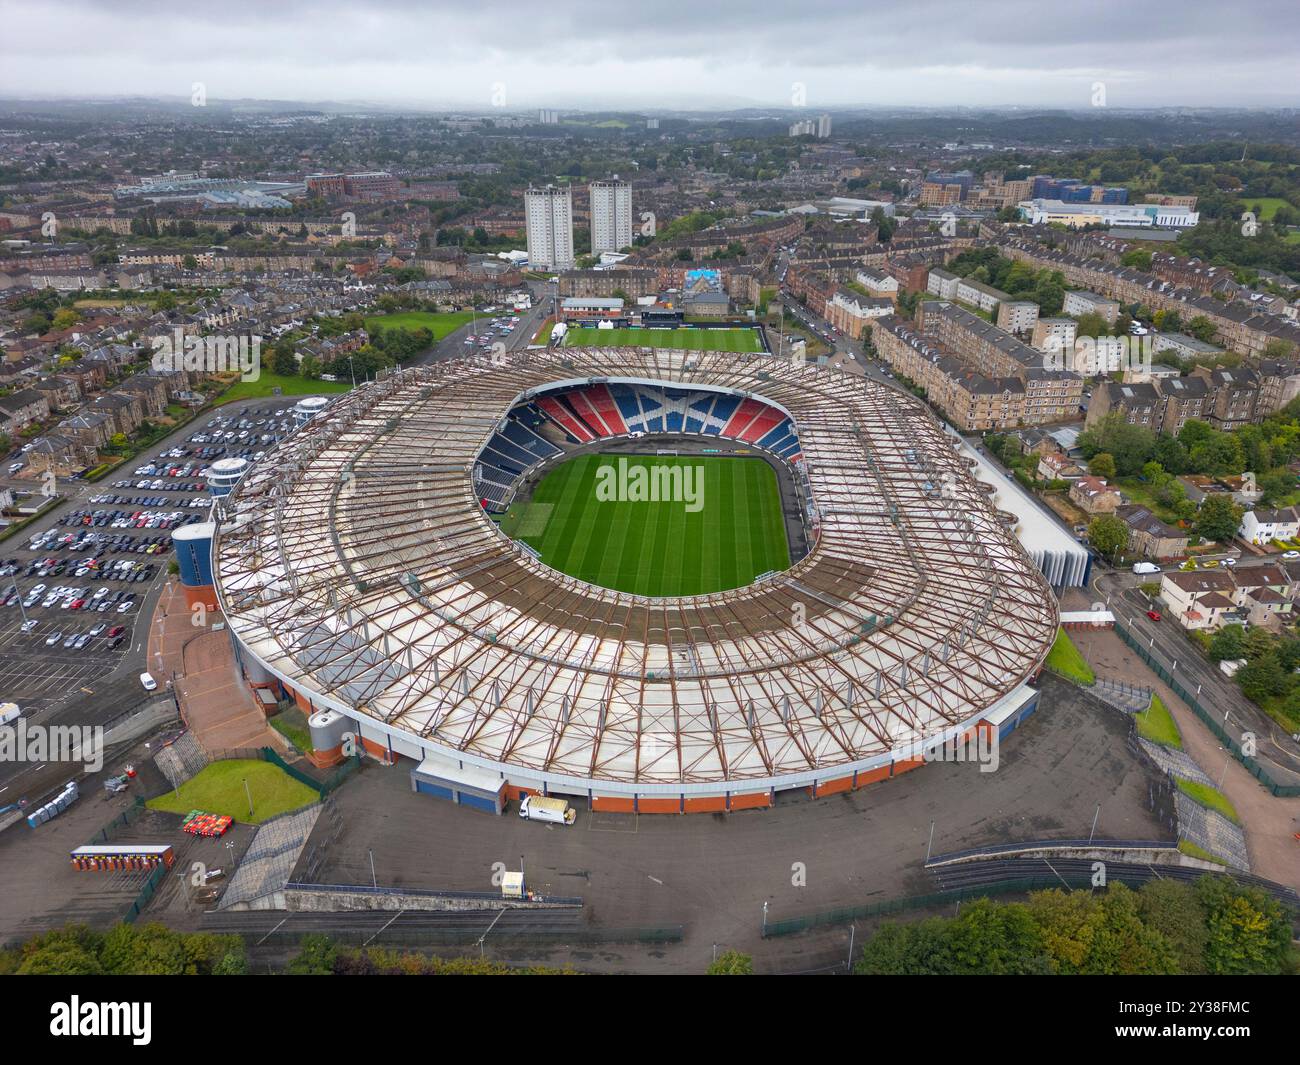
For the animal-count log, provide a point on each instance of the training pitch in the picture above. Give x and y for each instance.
(690, 339)
(596, 518)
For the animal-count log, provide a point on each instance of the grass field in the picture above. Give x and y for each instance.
(219, 789)
(658, 548)
(690, 339)
(1268, 205)
(268, 382)
(1211, 798)
(440, 325)
(1156, 724)
(1064, 658)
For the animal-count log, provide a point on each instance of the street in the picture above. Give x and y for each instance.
(1279, 751)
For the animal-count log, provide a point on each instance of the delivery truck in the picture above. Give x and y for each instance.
(554, 811)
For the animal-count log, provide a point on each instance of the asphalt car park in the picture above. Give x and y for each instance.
(492, 331)
(72, 589)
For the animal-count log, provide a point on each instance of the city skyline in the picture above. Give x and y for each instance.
(819, 56)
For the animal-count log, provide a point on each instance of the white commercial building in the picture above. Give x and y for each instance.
(1120, 215)
(611, 216)
(549, 215)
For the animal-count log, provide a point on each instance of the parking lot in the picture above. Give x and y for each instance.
(71, 592)
(492, 331)
(76, 584)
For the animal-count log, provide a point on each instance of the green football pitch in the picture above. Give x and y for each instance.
(724, 528)
(690, 339)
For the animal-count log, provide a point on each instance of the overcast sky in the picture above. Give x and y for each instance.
(671, 53)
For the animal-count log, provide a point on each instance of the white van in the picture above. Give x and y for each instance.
(1145, 567)
(9, 713)
(553, 811)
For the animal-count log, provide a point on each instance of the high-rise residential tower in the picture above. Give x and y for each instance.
(549, 215)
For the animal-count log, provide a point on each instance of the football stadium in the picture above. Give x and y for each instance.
(660, 580)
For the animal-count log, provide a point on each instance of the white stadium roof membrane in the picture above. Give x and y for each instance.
(356, 562)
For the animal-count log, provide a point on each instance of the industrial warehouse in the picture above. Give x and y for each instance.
(362, 572)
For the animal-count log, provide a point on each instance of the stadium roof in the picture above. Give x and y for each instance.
(357, 563)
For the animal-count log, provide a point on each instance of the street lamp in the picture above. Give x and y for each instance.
(22, 609)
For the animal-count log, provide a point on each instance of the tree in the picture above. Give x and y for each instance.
(1172, 909)
(1248, 932)
(65, 318)
(1130, 445)
(996, 939)
(1228, 643)
(282, 359)
(1218, 519)
(61, 958)
(315, 957)
(731, 963)
(1154, 474)
(1262, 678)
(1102, 465)
(1108, 535)
(918, 949)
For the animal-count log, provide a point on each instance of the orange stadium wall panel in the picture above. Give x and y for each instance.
(379, 751)
(757, 800)
(613, 805)
(907, 766)
(871, 776)
(658, 806)
(709, 804)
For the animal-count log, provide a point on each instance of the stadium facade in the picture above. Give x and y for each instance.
(360, 572)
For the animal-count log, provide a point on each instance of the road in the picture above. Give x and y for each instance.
(453, 345)
(1165, 639)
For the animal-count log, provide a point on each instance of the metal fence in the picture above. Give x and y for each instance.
(146, 893)
(126, 817)
(1286, 791)
(845, 915)
(1099, 843)
(432, 893)
(268, 754)
(397, 935)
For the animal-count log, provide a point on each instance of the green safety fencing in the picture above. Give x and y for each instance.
(1210, 721)
(146, 893)
(845, 915)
